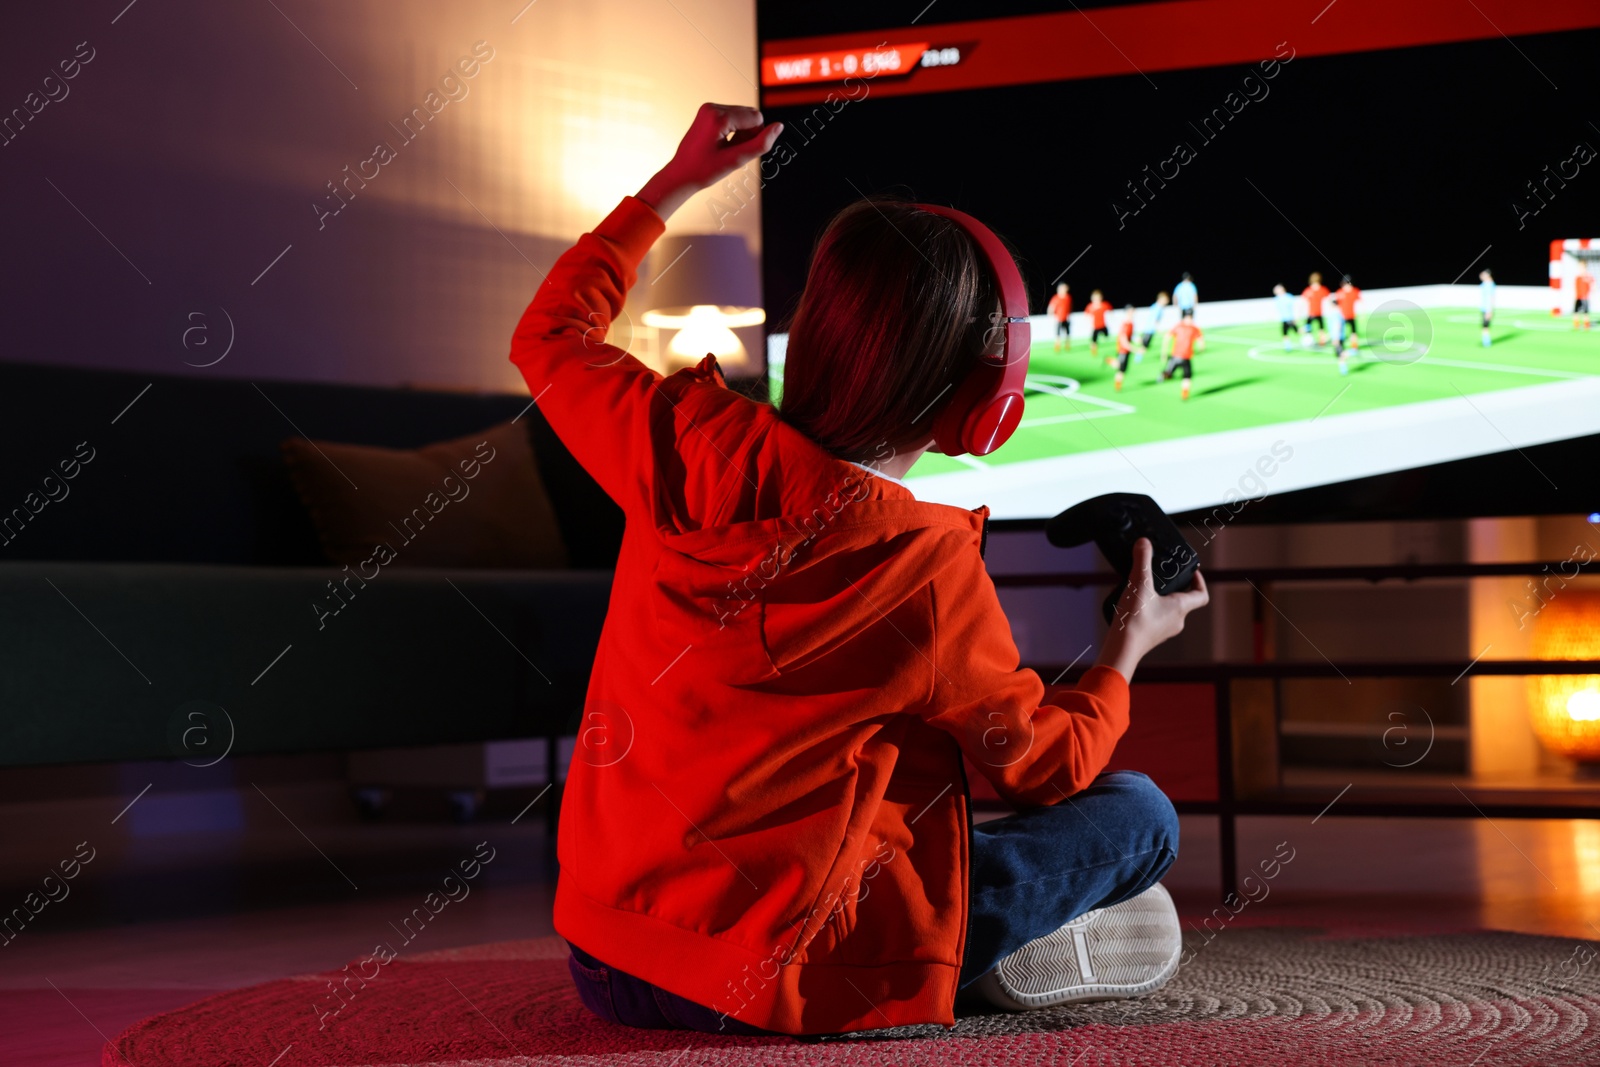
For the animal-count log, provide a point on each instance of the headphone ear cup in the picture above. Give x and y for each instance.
(987, 405)
(949, 425)
(980, 416)
(992, 425)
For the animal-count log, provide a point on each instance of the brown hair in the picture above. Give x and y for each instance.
(895, 308)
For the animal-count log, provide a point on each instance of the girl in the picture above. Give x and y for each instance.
(765, 825)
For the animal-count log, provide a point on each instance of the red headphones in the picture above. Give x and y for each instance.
(987, 405)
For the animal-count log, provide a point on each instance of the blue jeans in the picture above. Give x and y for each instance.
(619, 997)
(1032, 873)
(1037, 870)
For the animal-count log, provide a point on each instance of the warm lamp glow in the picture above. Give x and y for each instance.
(1565, 708)
(731, 317)
(705, 328)
(705, 286)
(705, 331)
(1584, 705)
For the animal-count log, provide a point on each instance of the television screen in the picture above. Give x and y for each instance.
(1305, 245)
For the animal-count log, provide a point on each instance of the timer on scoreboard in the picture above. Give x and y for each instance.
(877, 61)
(941, 57)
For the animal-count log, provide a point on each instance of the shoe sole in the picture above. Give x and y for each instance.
(1126, 950)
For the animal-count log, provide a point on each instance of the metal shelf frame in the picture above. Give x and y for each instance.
(1469, 801)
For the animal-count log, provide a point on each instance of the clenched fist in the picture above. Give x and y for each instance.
(722, 138)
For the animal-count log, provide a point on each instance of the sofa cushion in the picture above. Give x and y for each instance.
(196, 460)
(475, 501)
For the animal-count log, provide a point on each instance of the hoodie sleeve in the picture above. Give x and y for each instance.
(1038, 747)
(595, 395)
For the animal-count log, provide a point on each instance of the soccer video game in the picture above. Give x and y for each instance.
(1258, 261)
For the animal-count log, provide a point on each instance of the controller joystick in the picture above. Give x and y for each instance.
(1114, 522)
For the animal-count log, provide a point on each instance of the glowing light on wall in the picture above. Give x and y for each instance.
(576, 138)
(605, 153)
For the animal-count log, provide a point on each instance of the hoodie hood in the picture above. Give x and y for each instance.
(808, 561)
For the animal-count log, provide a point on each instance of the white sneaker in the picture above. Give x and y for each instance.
(1126, 950)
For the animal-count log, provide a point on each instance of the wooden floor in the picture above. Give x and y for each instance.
(167, 912)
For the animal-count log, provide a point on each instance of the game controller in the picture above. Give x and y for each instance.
(1114, 522)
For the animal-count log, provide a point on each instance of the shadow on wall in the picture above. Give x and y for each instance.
(382, 295)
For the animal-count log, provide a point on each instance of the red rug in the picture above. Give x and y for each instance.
(1250, 996)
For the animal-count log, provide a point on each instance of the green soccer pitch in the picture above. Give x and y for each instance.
(1244, 379)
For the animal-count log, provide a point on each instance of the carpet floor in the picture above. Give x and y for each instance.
(1275, 996)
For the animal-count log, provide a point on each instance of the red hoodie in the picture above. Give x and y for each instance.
(767, 809)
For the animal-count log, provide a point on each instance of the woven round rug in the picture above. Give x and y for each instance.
(1248, 996)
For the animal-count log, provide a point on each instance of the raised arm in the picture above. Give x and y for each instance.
(595, 394)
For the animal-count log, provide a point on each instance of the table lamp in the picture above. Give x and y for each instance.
(703, 285)
(1565, 708)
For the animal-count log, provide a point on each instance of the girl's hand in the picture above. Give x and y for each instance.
(1145, 618)
(722, 138)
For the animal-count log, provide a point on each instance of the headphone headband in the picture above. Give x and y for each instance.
(987, 405)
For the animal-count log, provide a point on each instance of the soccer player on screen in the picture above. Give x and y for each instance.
(1060, 306)
(1096, 309)
(1486, 301)
(1185, 295)
(1580, 297)
(1283, 300)
(1346, 298)
(1157, 310)
(1185, 339)
(1315, 293)
(1124, 344)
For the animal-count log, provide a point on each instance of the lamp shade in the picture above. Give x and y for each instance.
(691, 270)
(1565, 708)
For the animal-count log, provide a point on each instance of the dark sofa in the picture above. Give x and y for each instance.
(173, 573)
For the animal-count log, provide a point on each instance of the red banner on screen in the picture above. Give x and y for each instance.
(1141, 39)
(881, 60)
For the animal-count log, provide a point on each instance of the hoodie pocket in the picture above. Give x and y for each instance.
(834, 917)
(843, 923)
